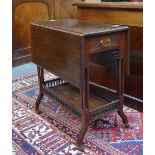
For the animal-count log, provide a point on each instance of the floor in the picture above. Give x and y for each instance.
(23, 70)
(30, 68)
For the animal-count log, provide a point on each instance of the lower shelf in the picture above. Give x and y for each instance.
(69, 97)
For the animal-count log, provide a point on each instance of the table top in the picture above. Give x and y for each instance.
(80, 27)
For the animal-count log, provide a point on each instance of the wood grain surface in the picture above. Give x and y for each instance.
(25, 12)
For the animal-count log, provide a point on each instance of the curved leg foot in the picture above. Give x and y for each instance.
(80, 148)
(39, 98)
(127, 125)
(124, 118)
(80, 139)
(84, 128)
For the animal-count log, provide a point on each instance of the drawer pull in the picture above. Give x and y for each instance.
(105, 43)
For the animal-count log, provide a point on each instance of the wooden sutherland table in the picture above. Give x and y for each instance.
(66, 48)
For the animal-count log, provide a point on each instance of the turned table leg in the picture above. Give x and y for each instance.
(40, 81)
(120, 74)
(85, 110)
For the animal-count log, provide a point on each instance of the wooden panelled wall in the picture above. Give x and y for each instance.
(27, 11)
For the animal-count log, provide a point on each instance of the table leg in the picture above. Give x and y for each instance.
(40, 81)
(37, 103)
(120, 74)
(85, 111)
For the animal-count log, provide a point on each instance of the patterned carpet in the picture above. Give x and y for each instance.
(54, 131)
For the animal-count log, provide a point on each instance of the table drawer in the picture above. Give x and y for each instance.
(104, 42)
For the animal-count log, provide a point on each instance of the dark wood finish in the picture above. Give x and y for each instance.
(103, 43)
(125, 13)
(40, 81)
(71, 95)
(23, 13)
(63, 48)
(65, 53)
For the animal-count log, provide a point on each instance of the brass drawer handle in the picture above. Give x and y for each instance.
(105, 43)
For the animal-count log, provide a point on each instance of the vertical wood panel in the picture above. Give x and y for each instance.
(64, 9)
(25, 12)
(24, 15)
